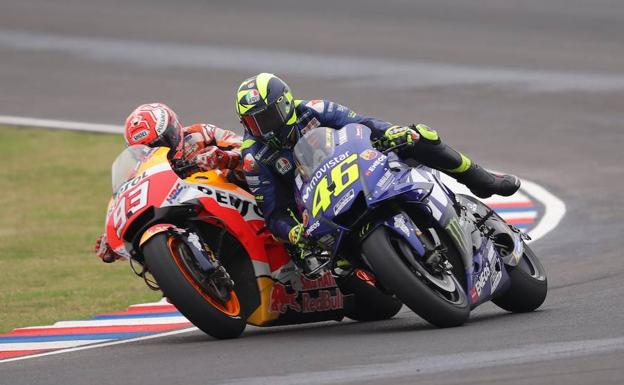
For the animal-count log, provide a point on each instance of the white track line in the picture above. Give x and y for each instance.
(191, 329)
(60, 124)
(48, 345)
(554, 209)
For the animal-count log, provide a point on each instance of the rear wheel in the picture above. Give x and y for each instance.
(529, 285)
(207, 304)
(437, 297)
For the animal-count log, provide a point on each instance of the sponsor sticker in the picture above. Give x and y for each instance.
(399, 223)
(140, 135)
(342, 137)
(161, 120)
(368, 154)
(249, 163)
(375, 164)
(320, 172)
(175, 193)
(324, 302)
(282, 299)
(262, 151)
(283, 165)
(252, 97)
(385, 180)
(483, 278)
(253, 180)
(313, 227)
(496, 277)
(227, 199)
(313, 123)
(346, 198)
(316, 105)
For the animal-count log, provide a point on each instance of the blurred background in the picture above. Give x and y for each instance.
(531, 87)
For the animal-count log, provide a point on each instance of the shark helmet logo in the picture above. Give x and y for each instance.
(161, 117)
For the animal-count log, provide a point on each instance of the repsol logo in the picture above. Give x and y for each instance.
(131, 183)
(224, 198)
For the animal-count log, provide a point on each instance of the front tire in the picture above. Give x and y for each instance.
(166, 260)
(529, 285)
(387, 256)
(369, 303)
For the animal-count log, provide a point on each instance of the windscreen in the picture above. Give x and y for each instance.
(127, 163)
(313, 149)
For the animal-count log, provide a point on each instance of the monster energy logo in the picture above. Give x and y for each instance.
(455, 231)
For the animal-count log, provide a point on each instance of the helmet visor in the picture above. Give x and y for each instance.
(170, 138)
(268, 120)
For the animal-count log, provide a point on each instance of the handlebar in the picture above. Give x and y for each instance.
(184, 167)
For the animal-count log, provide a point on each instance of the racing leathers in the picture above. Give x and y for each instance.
(270, 170)
(210, 147)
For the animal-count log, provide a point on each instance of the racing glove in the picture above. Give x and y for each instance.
(103, 250)
(396, 136)
(212, 157)
(193, 144)
(296, 236)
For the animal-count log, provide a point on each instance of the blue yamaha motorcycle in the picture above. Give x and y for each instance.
(442, 254)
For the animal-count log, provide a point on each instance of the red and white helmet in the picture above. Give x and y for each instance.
(154, 125)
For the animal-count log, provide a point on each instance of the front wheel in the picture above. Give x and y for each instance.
(529, 285)
(437, 297)
(369, 303)
(170, 260)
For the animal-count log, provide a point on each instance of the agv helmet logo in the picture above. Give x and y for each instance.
(252, 97)
(283, 165)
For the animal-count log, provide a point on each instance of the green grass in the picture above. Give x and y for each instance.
(54, 188)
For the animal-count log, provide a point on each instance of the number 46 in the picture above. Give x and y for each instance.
(342, 176)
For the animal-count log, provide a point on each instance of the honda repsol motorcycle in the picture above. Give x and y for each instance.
(442, 254)
(203, 242)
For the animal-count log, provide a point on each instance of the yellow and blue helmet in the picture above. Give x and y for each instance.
(266, 109)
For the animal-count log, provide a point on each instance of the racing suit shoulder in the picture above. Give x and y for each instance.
(334, 115)
(213, 135)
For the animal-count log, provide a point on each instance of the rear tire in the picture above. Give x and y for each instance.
(529, 285)
(394, 272)
(175, 278)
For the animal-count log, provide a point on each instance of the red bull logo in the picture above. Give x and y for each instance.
(324, 302)
(282, 300)
(323, 282)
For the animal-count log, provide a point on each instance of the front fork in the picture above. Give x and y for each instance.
(202, 254)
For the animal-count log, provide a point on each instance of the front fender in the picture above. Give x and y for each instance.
(402, 225)
(155, 229)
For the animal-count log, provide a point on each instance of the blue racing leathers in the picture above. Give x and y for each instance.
(270, 172)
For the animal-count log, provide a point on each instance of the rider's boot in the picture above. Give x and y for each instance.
(431, 151)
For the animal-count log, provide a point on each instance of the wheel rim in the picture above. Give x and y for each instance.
(444, 285)
(231, 307)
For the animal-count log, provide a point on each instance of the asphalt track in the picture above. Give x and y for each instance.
(530, 87)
